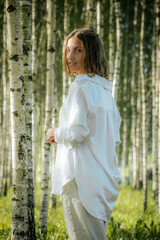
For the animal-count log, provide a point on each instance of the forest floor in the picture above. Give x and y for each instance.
(128, 220)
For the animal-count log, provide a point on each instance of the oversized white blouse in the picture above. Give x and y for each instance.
(87, 137)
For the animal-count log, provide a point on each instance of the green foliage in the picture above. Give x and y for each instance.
(141, 231)
(128, 221)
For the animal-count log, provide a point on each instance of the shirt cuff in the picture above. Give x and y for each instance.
(58, 137)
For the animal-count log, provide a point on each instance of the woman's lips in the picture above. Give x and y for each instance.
(71, 64)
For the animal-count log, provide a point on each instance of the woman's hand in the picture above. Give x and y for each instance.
(50, 135)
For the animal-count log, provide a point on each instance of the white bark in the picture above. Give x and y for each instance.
(144, 145)
(124, 138)
(154, 115)
(4, 110)
(19, 225)
(91, 14)
(34, 113)
(111, 50)
(66, 32)
(48, 116)
(157, 2)
(100, 19)
(27, 55)
(133, 101)
(116, 74)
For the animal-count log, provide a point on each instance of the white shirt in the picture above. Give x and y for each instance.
(87, 136)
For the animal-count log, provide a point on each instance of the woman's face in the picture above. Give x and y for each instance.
(75, 56)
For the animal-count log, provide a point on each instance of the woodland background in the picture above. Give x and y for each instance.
(33, 87)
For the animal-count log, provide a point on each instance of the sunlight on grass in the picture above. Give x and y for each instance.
(129, 207)
(128, 220)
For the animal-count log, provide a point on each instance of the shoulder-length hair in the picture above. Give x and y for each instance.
(94, 58)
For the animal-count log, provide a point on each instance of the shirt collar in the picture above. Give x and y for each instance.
(105, 83)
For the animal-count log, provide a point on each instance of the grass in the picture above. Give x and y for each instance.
(128, 220)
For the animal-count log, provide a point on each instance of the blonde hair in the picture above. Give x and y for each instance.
(94, 58)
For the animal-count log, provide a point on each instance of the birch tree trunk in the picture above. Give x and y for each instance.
(138, 132)
(34, 73)
(1, 148)
(111, 45)
(124, 145)
(133, 100)
(48, 117)
(116, 74)
(154, 114)
(100, 19)
(144, 152)
(27, 56)
(53, 198)
(6, 137)
(91, 14)
(66, 32)
(4, 99)
(157, 23)
(19, 225)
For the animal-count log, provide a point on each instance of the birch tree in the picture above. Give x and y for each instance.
(118, 50)
(66, 32)
(144, 152)
(157, 23)
(19, 225)
(111, 45)
(154, 112)
(91, 14)
(48, 117)
(100, 19)
(27, 55)
(124, 146)
(133, 102)
(3, 115)
(34, 73)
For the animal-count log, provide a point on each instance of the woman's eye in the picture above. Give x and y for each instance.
(67, 50)
(78, 50)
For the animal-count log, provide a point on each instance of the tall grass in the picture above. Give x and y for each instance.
(128, 220)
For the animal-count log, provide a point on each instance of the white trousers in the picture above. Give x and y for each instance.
(79, 223)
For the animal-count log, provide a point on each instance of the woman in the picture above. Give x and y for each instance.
(86, 170)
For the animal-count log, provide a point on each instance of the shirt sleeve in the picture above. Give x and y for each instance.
(76, 128)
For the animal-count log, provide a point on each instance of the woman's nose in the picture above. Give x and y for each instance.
(70, 55)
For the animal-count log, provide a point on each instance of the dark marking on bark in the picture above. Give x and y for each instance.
(30, 112)
(15, 58)
(24, 27)
(15, 199)
(28, 139)
(11, 8)
(22, 99)
(15, 113)
(29, 125)
(12, 89)
(16, 39)
(51, 49)
(19, 217)
(21, 152)
(30, 78)
(29, 14)
(22, 80)
(26, 64)
(26, 49)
